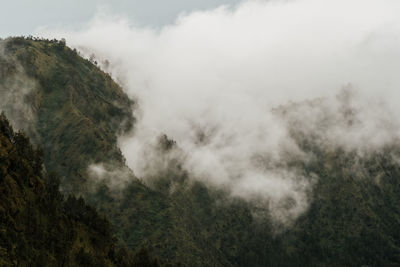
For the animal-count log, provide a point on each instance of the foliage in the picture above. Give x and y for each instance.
(38, 228)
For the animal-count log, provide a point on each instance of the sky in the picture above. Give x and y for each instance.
(23, 17)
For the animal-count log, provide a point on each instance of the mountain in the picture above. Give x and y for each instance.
(76, 112)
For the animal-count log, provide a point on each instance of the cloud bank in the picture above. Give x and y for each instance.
(217, 82)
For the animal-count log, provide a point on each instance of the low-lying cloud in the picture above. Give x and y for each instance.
(229, 86)
(15, 90)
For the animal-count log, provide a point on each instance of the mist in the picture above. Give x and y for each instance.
(238, 87)
(16, 88)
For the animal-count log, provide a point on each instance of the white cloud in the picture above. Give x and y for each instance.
(210, 80)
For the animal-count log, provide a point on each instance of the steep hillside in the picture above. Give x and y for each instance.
(67, 105)
(39, 228)
(75, 111)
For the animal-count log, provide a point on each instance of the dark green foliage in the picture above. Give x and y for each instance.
(38, 228)
(142, 259)
(79, 112)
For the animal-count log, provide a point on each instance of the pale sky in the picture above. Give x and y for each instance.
(22, 17)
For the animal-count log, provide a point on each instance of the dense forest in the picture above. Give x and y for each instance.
(41, 227)
(75, 113)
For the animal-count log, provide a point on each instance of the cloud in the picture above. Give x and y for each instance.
(224, 84)
(15, 89)
(104, 173)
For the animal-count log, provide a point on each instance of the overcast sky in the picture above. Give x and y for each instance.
(22, 17)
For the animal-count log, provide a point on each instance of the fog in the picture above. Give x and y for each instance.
(15, 90)
(218, 83)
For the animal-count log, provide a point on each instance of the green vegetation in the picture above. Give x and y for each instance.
(353, 218)
(79, 109)
(39, 228)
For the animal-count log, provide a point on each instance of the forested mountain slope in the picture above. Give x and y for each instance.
(77, 114)
(37, 226)
(75, 110)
